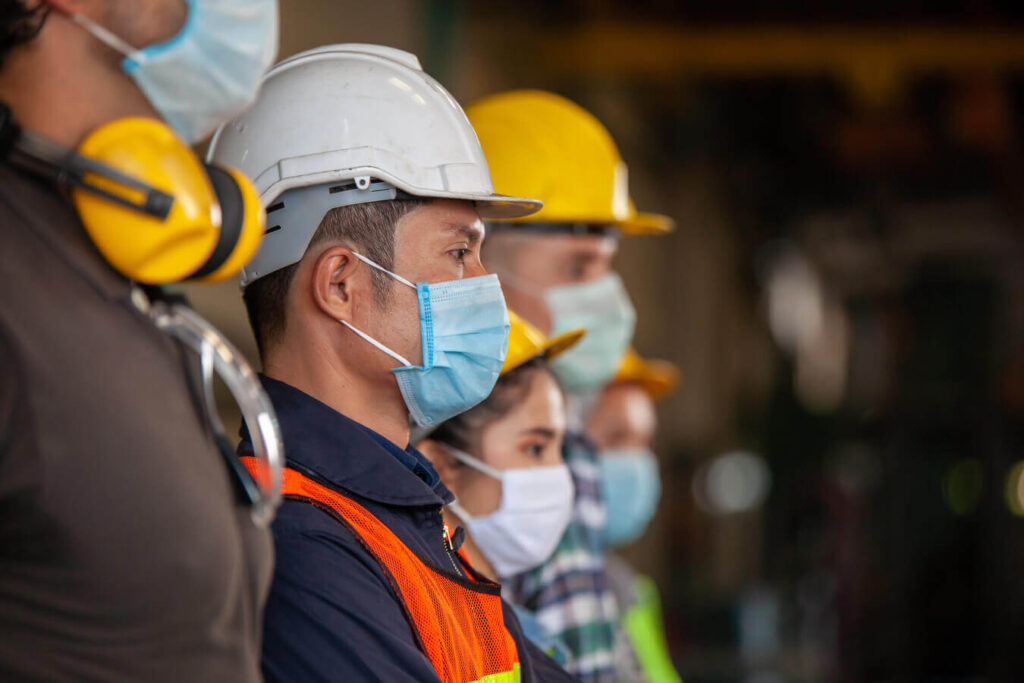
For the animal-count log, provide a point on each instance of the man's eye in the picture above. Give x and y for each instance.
(460, 254)
(535, 449)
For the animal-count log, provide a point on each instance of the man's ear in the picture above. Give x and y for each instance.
(334, 282)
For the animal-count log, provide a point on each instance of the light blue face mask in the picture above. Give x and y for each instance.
(631, 488)
(603, 308)
(464, 330)
(210, 70)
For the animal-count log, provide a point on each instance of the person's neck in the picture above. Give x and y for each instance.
(315, 370)
(476, 558)
(61, 87)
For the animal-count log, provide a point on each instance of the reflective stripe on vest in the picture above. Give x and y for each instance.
(645, 628)
(458, 621)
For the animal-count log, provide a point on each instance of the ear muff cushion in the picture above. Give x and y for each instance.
(232, 213)
(243, 220)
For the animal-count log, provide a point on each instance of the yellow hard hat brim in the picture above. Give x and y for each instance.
(556, 346)
(499, 206)
(658, 378)
(648, 224)
(549, 349)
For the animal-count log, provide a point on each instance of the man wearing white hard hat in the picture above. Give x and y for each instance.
(371, 307)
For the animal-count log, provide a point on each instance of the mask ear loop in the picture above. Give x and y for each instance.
(108, 38)
(376, 343)
(480, 466)
(367, 337)
(382, 269)
(477, 464)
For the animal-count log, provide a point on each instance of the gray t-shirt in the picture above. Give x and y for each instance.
(123, 552)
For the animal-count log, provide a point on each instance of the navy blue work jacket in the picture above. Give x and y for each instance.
(331, 614)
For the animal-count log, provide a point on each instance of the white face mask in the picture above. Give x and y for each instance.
(536, 506)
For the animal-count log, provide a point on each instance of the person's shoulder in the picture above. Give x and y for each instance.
(298, 521)
(27, 207)
(19, 193)
(12, 198)
(306, 536)
(20, 468)
(10, 388)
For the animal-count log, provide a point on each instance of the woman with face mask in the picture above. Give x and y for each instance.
(623, 425)
(502, 461)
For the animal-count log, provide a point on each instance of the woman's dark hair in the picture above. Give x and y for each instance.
(19, 24)
(463, 431)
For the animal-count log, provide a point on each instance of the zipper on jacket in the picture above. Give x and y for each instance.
(446, 540)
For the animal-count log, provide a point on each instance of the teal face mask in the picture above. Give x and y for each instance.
(631, 488)
(210, 70)
(464, 331)
(603, 308)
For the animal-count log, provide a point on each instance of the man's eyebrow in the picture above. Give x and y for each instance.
(472, 233)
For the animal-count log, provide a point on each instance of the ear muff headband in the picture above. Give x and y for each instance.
(70, 169)
(152, 209)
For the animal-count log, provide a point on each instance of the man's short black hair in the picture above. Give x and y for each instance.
(368, 228)
(19, 24)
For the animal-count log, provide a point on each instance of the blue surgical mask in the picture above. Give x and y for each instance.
(210, 70)
(464, 332)
(631, 488)
(602, 307)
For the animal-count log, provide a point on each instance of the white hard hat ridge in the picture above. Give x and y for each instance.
(350, 123)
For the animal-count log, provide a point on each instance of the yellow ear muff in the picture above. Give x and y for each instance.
(214, 224)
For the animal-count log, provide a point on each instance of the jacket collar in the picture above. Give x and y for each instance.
(321, 441)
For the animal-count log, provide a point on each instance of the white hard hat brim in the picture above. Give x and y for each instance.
(499, 205)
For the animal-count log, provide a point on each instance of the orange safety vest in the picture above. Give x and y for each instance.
(457, 620)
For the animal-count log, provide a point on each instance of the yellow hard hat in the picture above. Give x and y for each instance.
(526, 342)
(539, 144)
(658, 378)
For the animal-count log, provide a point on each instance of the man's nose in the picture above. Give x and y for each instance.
(475, 269)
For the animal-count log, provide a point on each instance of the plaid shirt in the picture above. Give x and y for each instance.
(570, 593)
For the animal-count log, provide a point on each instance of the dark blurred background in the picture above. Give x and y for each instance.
(843, 467)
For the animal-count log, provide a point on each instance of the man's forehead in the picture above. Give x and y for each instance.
(584, 245)
(444, 219)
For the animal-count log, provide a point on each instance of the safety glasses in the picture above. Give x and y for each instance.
(259, 486)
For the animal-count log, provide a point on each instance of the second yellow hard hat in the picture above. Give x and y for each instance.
(658, 378)
(539, 144)
(526, 342)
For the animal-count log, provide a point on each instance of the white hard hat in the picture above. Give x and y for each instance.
(352, 123)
